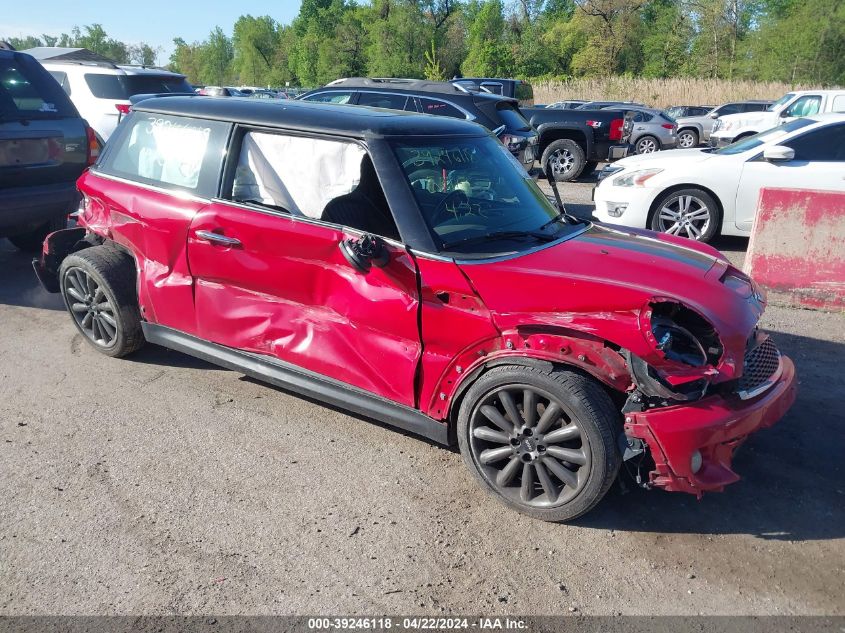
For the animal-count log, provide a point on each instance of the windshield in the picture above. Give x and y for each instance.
(768, 136)
(476, 197)
(27, 91)
(121, 87)
(777, 104)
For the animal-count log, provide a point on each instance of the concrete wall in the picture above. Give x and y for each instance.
(797, 248)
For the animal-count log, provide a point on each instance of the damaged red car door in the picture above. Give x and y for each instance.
(276, 283)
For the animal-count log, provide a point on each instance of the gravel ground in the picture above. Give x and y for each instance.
(163, 485)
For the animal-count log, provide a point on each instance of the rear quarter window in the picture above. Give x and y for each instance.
(28, 91)
(512, 117)
(440, 108)
(173, 152)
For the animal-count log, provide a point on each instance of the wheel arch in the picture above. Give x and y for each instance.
(550, 135)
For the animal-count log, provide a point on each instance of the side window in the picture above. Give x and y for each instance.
(805, 106)
(175, 152)
(825, 144)
(730, 108)
(494, 87)
(330, 97)
(62, 80)
(441, 108)
(382, 100)
(638, 117)
(754, 107)
(838, 103)
(322, 179)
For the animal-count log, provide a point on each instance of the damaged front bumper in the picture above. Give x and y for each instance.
(692, 445)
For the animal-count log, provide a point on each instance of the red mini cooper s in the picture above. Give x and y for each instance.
(405, 267)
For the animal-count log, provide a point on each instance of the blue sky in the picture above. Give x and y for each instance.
(156, 22)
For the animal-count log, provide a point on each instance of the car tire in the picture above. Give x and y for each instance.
(33, 240)
(98, 287)
(687, 139)
(647, 145)
(554, 473)
(691, 213)
(563, 159)
(589, 168)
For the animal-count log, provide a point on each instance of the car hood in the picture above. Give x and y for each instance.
(599, 281)
(748, 119)
(658, 159)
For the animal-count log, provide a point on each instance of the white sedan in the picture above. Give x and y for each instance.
(699, 193)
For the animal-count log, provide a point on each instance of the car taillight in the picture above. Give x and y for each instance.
(668, 126)
(594, 124)
(93, 146)
(123, 108)
(616, 129)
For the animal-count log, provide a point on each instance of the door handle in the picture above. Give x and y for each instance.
(216, 238)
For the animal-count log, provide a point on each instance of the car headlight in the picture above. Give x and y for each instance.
(681, 334)
(635, 178)
(717, 124)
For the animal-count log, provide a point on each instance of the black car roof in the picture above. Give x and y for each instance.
(348, 120)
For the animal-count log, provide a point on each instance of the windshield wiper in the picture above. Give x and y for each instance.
(498, 235)
(562, 213)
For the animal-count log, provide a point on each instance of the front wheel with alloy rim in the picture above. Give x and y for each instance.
(691, 213)
(542, 441)
(647, 145)
(98, 286)
(563, 159)
(687, 139)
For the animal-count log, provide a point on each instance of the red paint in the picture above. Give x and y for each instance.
(797, 247)
(715, 426)
(418, 329)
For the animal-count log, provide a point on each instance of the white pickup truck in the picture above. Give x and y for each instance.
(792, 105)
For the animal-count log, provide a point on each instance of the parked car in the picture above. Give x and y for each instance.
(499, 114)
(219, 91)
(518, 89)
(699, 193)
(405, 268)
(696, 129)
(800, 103)
(573, 141)
(44, 147)
(598, 105)
(101, 90)
(677, 112)
(568, 104)
(653, 130)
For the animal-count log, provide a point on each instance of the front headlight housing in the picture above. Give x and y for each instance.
(681, 335)
(635, 178)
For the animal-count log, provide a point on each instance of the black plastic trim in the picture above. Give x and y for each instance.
(301, 381)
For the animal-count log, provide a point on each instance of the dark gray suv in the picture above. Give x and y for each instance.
(44, 147)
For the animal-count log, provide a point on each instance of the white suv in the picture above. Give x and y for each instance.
(101, 90)
(792, 105)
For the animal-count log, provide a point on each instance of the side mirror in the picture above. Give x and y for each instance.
(778, 154)
(783, 113)
(713, 115)
(366, 252)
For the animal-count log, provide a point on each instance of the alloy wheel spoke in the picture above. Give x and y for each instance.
(673, 230)
(693, 231)
(86, 321)
(549, 417)
(507, 474)
(492, 455)
(564, 434)
(510, 408)
(526, 492)
(95, 328)
(561, 472)
(702, 213)
(77, 283)
(74, 293)
(546, 482)
(492, 414)
(571, 455)
(529, 407)
(106, 328)
(79, 307)
(668, 214)
(91, 285)
(490, 435)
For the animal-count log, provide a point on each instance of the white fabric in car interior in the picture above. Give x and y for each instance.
(298, 174)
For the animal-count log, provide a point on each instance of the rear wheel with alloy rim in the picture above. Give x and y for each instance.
(563, 159)
(541, 441)
(647, 145)
(98, 286)
(691, 213)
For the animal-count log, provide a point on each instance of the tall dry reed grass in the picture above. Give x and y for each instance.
(660, 93)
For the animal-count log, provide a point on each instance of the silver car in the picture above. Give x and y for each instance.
(693, 130)
(653, 130)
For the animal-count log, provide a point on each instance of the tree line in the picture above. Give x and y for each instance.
(796, 41)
